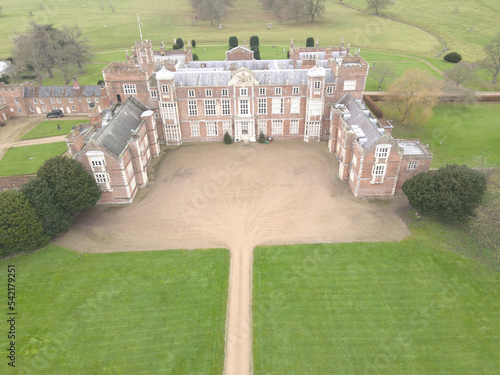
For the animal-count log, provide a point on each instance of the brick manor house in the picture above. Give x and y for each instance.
(164, 97)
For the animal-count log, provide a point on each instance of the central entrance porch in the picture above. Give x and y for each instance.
(244, 129)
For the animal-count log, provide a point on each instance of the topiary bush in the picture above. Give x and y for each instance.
(310, 42)
(195, 57)
(256, 53)
(175, 46)
(179, 42)
(193, 43)
(233, 42)
(453, 57)
(254, 41)
(227, 139)
(262, 138)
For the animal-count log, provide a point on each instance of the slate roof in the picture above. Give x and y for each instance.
(359, 118)
(61, 91)
(114, 136)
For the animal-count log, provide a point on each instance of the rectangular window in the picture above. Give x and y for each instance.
(195, 129)
(70, 100)
(262, 91)
(164, 89)
(53, 101)
(225, 92)
(97, 161)
(313, 128)
(315, 107)
(382, 152)
(262, 126)
(190, 93)
(210, 107)
(277, 126)
(317, 85)
(329, 90)
(226, 107)
(244, 92)
(154, 94)
(277, 106)
(44, 109)
(88, 100)
(73, 108)
(262, 106)
(244, 107)
(212, 129)
(412, 164)
(295, 91)
(226, 127)
(101, 178)
(129, 89)
(192, 108)
(208, 93)
(169, 111)
(41, 101)
(349, 85)
(295, 105)
(32, 109)
(20, 110)
(378, 170)
(96, 100)
(17, 100)
(294, 126)
(277, 91)
(35, 101)
(59, 100)
(244, 127)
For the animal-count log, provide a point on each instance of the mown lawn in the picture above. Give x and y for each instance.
(456, 134)
(49, 128)
(374, 308)
(27, 159)
(160, 312)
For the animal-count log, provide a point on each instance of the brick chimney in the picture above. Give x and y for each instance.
(76, 85)
(75, 141)
(95, 116)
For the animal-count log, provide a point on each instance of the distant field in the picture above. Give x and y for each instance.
(49, 128)
(374, 308)
(456, 134)
(159, 312)
(27, 159)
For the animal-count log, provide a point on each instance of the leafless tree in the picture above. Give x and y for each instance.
(314, 8)
(212, 10)
(380, 72)
(377, 5)
(492, 60)
(460, 72)
(295, 10)
(79, 46)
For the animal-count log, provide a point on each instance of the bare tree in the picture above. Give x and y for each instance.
(279, 7)
(377, 5)
(295, 10)
(213, 10)
(414, 95)
(492, 60)
(380, 72)
(460, 72)
(314, 8)
(79, 46)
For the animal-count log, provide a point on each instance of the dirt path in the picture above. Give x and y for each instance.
(237, 197)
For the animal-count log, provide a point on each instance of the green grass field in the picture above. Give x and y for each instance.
(456, 134)
(374, 308)
(49, 128)
(17, 159)
(159, 312)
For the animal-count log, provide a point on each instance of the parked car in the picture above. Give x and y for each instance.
(55, 113)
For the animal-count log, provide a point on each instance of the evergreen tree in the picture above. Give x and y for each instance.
(310, 42)
(179, 42)
(227, 139)
(254, 41)
(233, 42)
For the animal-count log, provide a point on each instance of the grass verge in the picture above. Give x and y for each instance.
(27, 159)
(49, 128)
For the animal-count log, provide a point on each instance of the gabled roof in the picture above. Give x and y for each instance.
(237, 48)
(124, 124)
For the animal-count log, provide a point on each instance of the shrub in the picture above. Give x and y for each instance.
(179, 42)
(262, 138)
(193, 43)
(310, 42)
(254, 41)
(227, 139)
(451, 194)
(20, 227)
(175, 46)
(195, 57)
(100, 82)
(256, 53)
(452, 57)
(233, 42)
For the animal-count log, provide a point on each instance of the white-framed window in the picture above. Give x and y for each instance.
(382, 151)
(190, 93)
(97, 160)
(295, 91)
(153, 93)
(277, 106)
(295, 105)
(16, 100)
(226, 107)
(208, 93)
(20, 110)
(226, 127)
(70, 100)
(52, 101)
(41, 101)
(59, 100)
(313, 128)
(412, 164)
(225, 92)
(354, 160)
(210, 107)
(277, 91)
(73, 108)
(262, 91)
(195, 129)
(262, 106)
(244, 127)
(32, 109)
(44, 109)
(329, 90)
(277, 126)
(317, 85)
(262, 126)
(88, 100)
(157, 115)
(164, 89)
(378, 170)
(101, 178)
(168, 111)
(315, 107)
(192, 108)
(212, 129)
(349, 85)
(35, 101)
(294, 126)
(243, 92)
(96, 100)
(244, 109)
(129, 89)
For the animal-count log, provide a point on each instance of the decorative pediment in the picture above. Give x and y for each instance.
(243, 77)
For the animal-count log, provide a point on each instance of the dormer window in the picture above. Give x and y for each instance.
(190, 93)
(208, 92)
